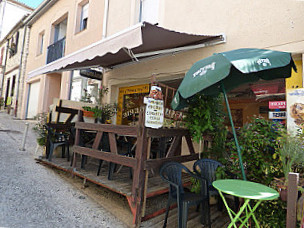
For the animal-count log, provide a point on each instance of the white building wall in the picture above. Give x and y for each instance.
(10, 14)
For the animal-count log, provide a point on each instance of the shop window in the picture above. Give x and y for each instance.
(149, 11)
(130, 99)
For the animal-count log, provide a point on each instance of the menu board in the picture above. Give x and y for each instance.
(154, 116)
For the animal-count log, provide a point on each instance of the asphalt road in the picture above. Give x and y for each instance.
(32, 195)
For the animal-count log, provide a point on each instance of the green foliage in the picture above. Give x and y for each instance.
(205, 117)
(259, 151)
(86, 97)
(291, 150)
(103, 112)
(272, 214)
(220, 173)
(195, 185)
(41, 129)
(101, 93)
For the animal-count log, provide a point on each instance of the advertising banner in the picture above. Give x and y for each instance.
(295, 110)
(277, 104)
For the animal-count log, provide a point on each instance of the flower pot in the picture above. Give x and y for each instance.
(283, 194)
(88, 113)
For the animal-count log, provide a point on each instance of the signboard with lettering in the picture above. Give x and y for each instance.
(154, 116)
(277, 104)
(277, 115)
(91, 74)
(129, 91)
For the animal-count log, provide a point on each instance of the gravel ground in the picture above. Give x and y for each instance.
(34, 196)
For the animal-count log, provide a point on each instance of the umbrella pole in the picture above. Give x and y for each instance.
(234, 133)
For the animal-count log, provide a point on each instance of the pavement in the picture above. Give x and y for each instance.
(32, 195)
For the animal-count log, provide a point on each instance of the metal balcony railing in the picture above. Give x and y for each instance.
(55, 50)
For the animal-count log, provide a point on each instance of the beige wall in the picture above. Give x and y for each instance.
(74, 41)
(12, 68)
(275, 24)
(246, 23)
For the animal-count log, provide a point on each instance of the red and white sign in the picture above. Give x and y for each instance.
(260, 89)
(277, 104)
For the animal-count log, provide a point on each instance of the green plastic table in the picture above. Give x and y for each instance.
(247, 190)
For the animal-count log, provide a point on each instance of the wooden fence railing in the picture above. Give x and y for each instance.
(141, 163)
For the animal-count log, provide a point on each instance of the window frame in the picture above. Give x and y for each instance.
(41, 41)
(82, 16)
(83, 24)
(154, 14)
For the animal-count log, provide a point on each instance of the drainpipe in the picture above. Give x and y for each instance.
(70, 84)
(20, 69)
(105, 20)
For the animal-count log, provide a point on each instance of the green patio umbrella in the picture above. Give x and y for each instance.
(225, 71)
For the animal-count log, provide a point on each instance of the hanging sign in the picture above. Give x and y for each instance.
(277, 115)
(154, 116)
(91, 74)
(277, 104)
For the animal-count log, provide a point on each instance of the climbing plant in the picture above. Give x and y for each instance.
(205, 116)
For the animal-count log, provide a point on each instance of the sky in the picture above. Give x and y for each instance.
(31, 3)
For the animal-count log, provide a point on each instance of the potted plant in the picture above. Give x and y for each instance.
(41, 129)
(291, 152)
(88, 111)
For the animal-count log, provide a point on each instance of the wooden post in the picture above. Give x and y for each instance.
(146, 179)
(138, 187)
(58, 113)
(292, 197)
(77, 141)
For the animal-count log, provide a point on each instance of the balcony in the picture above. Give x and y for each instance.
(55, 50)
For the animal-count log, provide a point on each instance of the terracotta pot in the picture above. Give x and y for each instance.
(283, 194)
(88, 113)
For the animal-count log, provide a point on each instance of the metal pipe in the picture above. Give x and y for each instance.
(24, 137)
(20, 69)
(70, 84)
(105, 20)
(233, 131)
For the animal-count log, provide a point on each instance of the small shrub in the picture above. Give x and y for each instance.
(41, 129)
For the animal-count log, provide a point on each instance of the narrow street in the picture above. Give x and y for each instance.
(35, 196)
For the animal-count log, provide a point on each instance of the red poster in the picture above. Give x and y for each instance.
(277, 104)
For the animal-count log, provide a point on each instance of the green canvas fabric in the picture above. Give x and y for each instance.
(231, 69)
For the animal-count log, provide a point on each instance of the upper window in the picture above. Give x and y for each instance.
(60, 30)
(13, 45)
(40, 43)
(83, 23)
(149, 11)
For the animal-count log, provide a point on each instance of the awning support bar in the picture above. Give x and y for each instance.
(131, 54)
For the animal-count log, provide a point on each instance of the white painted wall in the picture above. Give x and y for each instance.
(10, 14)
